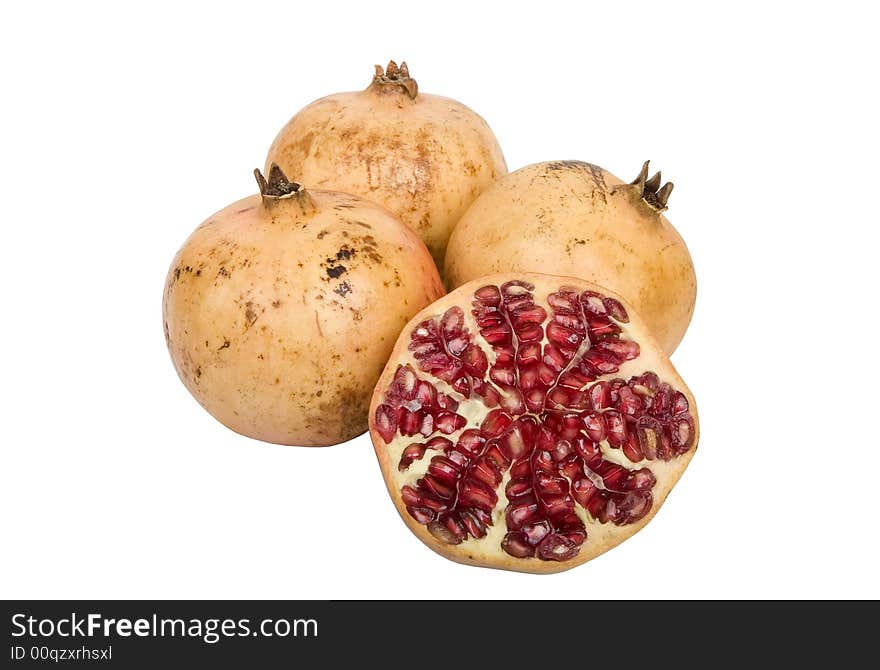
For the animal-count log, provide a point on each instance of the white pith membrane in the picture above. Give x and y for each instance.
(488, 548)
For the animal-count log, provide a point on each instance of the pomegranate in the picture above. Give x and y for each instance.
(281, 309)
(530, 422)
(423, 156)
(582, 221)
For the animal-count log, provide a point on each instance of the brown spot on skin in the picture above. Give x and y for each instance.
(318, 324)
(250, 314)
(198, 372)
(336, 272)
(343, 288)
(362, 224)
(322, 234)
(319, 393)
(223, 346)
(276, 303)
(241, 211)
(223, 272)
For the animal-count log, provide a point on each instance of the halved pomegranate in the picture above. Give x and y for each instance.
(530, 422)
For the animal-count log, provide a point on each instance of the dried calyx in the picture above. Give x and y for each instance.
(277, 186)
(650, 190)
(393, 75)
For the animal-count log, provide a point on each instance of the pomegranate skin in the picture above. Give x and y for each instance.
(400, 472)
(578, 220)
(280, 311)
(424, 157)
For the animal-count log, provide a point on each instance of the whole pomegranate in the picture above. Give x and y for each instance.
(579, 220)
(530, 422)
(423, 156)
(281, 309)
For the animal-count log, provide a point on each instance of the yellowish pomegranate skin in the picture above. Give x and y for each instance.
(280, 313)
(424, 157)
(486, 552)
(576, 219)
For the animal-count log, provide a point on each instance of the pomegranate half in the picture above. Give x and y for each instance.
(530, 422)
(424, 157)
(582, 221)
(281, 309)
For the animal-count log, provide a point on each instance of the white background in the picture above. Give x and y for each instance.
(125, 125)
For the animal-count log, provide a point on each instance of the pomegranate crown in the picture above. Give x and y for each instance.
(650, 190)
(277, 186)
(396, 76)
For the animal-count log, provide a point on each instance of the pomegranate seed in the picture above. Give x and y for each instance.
(683, 434)
(421, 514)
(559, 398)
(528, 378)
(488, 295)
(530, 333)
(427, 425)
(448, 422)
(520, 514)
(513, 402)
(630, 403)
(535, 400)
(499, 334)
(593, 303)
(444, 470)
(503, 376)
(615, 428)
(623, 350)
(602, 326)
(557, 505)
(528, 354)
(458, 458)
(599, 360)
(424, 349)
(554, 358)
(516, 545)
(496, 457)
(639, 480)
(616, 310)
(680, 404)
(548, 484)
(495, 423)
(413, 452)
(410, 497)
(486, 472)
(386, 422)
(535, 532)
(437, 505)
(409, 422)
(563, 336)
(594, 425)
(475, 494)
(562, 451)
(443, 533)
(462, 386)
(557, 547)
(474, 526)
(600, 395)
(516, 488)
(474, 361)
(632, 449)
(436, 487)
(471, 442)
